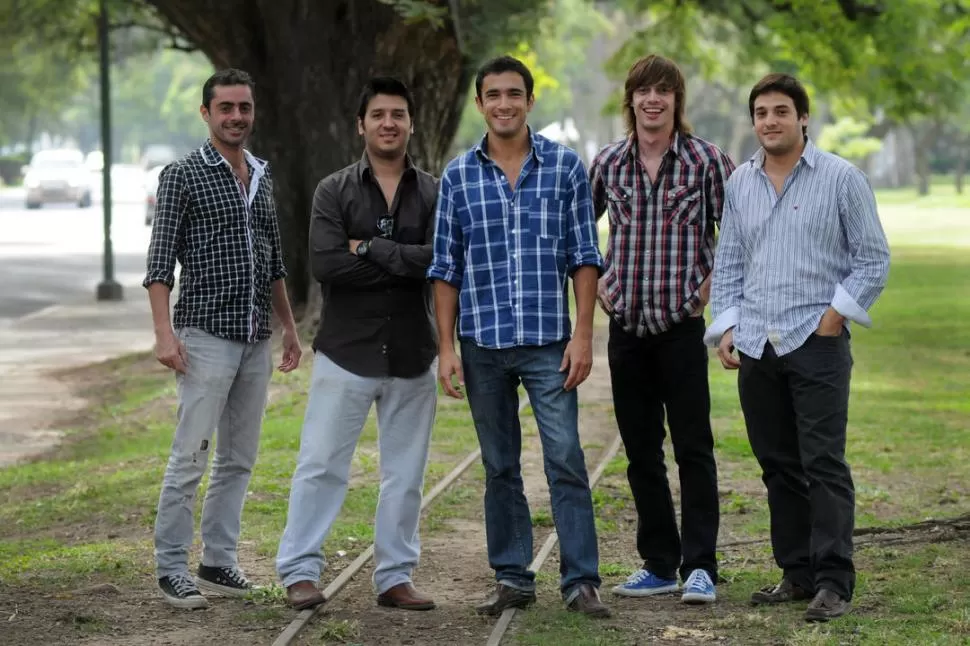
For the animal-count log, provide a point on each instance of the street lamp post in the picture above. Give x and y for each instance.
(108, 289)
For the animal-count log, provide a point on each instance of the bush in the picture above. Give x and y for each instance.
(10, 166)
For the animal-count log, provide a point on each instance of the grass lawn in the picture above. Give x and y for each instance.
(85, 513)
(908, 445)
(89, 509)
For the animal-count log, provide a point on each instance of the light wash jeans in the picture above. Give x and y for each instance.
(337, 408)
(224, 388)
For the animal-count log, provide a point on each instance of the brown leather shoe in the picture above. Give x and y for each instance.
(784, 592)
(304, 594)
(826, 605)
(406, 597)
(586, 600)
(503, 598)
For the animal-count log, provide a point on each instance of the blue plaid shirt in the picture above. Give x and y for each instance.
(510, 252)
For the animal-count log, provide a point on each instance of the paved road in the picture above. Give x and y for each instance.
(54, 255)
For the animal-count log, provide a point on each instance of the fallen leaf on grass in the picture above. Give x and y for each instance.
(676, 632)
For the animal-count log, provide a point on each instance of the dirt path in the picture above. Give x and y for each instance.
(454, 566)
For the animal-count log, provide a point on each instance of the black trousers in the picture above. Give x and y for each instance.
(653, 376)
(796, 408)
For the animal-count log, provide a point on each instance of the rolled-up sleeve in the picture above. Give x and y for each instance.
(172, 201)
(448, 259)
(277, 267)
(582, 236)
(868, 246)
(727, 285)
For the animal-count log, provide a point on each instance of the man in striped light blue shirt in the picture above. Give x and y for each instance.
(801, 253)
(514, 222)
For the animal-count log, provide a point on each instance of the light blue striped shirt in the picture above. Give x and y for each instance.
(782, 260)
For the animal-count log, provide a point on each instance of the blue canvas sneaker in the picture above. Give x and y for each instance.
(698, 588)
(644, 583)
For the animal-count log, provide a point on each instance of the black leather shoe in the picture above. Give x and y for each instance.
(826, 605)
(784, 592)
(505, 597)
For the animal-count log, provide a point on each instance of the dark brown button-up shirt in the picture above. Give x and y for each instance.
(377, 318)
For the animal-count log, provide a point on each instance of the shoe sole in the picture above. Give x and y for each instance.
(309, 603)
(386, 603)
(626, 592)
(518, 605)
(697, 599)
(192, 603)
(596, 614)
(823, 617)
(222, 589)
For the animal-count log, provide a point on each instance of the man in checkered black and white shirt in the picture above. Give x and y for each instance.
(215, 215)
(663, 190)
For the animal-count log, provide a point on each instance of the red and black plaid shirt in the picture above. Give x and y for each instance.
(661, 243)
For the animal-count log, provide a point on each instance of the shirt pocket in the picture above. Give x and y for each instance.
(619, 205)
(682, 205)
(545, 218)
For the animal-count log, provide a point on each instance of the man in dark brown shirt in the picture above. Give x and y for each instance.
(370, 244)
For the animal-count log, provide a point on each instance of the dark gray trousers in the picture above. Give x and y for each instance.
(796, 408)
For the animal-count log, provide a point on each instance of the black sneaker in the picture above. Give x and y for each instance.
(179, 590)
(224, 580)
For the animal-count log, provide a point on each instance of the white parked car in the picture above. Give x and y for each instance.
(58, 175)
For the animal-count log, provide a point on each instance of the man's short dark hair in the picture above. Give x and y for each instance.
(384, 85)
(783, 84)
(505, 64)
(230, 76)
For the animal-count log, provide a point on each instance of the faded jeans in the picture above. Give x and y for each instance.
(223, 391)
(491, 380)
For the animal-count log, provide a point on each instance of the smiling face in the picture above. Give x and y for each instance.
(386, 126)
(776, 123)
(654, 108)
(230, 114)
(504, 103)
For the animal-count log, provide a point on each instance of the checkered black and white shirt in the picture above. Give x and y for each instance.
(226, 239)
(661, 243)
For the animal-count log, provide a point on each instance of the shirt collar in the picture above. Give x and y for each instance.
(676, 145)
(809, 154)
(213, 157)
(481, 148)
(364, 167)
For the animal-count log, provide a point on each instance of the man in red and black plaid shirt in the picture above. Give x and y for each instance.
(663, 189)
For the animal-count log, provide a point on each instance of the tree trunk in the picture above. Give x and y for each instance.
(740, 129)
(922, 139)
(309, 61)
(961, 167)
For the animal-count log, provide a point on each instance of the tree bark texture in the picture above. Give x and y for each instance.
(309, 60)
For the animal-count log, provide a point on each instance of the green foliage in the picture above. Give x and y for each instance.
(906, 58)
(847, 138)
(554, 50)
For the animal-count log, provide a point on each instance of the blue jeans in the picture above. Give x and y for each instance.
(491, 381)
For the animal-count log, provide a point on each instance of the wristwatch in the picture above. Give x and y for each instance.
(363, 248)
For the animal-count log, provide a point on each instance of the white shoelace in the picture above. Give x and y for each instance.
(699, 579)
(182, 584)
(638, 576)
(235, 575)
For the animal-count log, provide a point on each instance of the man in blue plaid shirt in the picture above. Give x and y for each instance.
(514, 221)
